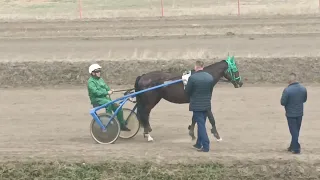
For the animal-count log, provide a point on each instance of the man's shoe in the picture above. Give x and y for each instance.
(124, 128)
(202, 150)
(195, 146)
(295, 152)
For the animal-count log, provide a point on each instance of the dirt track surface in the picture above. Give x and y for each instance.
(54, 124)
(164, 39)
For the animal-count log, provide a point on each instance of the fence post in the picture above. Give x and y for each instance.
(80, 8)
(239, 7)
(162, 8)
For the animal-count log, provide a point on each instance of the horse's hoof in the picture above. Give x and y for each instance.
(148, 136)
(216, 135)
(150, 139)
(219, 139)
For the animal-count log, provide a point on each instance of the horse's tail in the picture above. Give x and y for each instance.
(139, 102)
(136, 86)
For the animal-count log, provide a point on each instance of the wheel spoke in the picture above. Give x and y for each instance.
(110, 135)
(132, 123)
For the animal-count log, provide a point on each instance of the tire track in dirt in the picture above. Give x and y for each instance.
(168, 27)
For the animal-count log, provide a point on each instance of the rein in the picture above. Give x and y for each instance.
(121, 90)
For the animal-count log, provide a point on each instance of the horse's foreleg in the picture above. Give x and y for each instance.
(191, 129)
(213, 124)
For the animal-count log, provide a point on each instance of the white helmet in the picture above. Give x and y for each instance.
(94, 67)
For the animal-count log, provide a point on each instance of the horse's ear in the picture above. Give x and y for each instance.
(232, 59)
(229, 58)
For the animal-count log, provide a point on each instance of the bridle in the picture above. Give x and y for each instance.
(232, 69)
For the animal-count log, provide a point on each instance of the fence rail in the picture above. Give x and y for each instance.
(253, 6)
(72, 9)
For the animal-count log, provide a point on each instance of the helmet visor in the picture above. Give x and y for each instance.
(97, 70)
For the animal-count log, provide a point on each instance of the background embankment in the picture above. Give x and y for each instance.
(252, 70)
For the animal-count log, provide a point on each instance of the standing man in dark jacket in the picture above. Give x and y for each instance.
(199, 88)
(293, 99)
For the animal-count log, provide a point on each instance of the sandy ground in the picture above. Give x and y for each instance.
(54, 124)
(151, 38)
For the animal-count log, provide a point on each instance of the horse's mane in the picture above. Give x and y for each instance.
(192, 71)
(214, 64)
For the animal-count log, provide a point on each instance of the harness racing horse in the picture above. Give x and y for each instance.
(175, 93)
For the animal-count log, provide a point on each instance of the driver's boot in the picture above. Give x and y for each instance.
(123, 123)
(124, 128)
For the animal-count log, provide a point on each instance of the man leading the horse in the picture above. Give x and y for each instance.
(99, 94)
(199, 88)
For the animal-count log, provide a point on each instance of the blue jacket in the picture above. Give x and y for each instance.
(199, 90)
(293, 98)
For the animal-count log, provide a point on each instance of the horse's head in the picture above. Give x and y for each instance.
(232, 73)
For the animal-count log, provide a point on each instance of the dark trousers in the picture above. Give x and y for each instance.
(203, 139)
(294, 124)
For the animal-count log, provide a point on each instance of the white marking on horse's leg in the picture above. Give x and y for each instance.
(219, 139)
(149, 137)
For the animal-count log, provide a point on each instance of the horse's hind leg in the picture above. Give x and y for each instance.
(153, 100)
(213, 124)
(191, 129)
(143, 116)
(147, 128)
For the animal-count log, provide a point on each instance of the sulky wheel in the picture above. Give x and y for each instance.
(111, 133)
(133, 124)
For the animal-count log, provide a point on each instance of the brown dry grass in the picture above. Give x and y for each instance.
(189, 54)
(68, 9)
(253, 70)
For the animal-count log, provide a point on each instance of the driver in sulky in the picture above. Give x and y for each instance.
(99, 94)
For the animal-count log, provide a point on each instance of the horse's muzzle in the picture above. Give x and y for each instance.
(238, 84)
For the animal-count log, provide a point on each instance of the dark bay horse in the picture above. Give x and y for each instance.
(175, 93)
